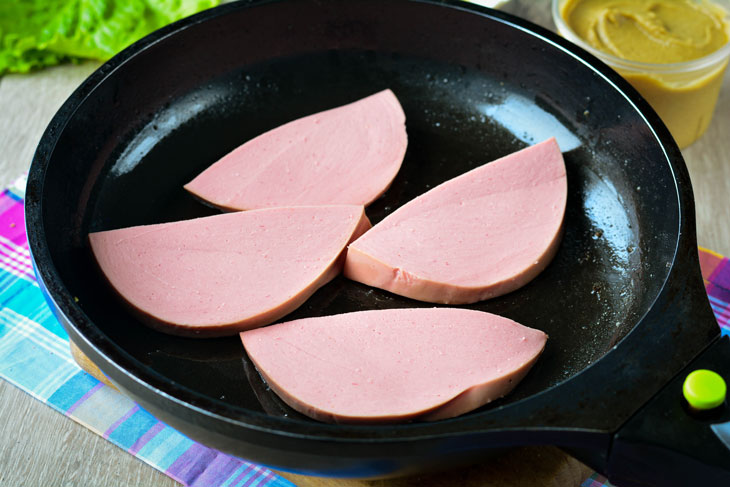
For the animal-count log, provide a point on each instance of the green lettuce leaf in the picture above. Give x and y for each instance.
(38, 33)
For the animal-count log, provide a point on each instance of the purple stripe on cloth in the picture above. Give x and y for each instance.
(16, 268)
(119, 421)
(719, 292)
(16, 257)
(721, 275)
(263, 476)
(19, 253)
(12, 220)
(83, 398)
(191, 464)
(246, 471)
(146, 437)
(220, 469)
(720, 311)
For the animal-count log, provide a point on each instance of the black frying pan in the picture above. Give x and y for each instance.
(623, 301)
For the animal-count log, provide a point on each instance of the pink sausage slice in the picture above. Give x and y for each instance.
(477, 236)
(347, 156)
(395, 365)
(226, 273)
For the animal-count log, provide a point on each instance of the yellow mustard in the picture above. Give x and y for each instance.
(660, 32)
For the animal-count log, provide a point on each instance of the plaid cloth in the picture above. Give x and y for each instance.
(716, 274)
(35, 356)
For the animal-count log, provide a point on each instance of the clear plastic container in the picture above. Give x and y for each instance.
(684, 94)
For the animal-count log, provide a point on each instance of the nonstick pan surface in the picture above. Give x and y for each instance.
(475, 85)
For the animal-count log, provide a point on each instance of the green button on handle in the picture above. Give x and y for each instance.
(704, 389)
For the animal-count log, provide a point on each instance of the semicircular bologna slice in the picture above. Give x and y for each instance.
(477, 236)
(347, 155)
(396, 365)
(222, 274)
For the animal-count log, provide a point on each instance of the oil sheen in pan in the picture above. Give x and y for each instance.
(457, 119)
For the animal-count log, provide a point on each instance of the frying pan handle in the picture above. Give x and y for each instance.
(668, 444)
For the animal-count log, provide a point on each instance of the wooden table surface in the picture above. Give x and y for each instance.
(39, 446)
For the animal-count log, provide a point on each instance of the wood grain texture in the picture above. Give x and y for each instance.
(39, 446)
(708, 161)
(27, 104)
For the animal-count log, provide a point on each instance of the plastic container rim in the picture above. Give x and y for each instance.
(714, 59)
